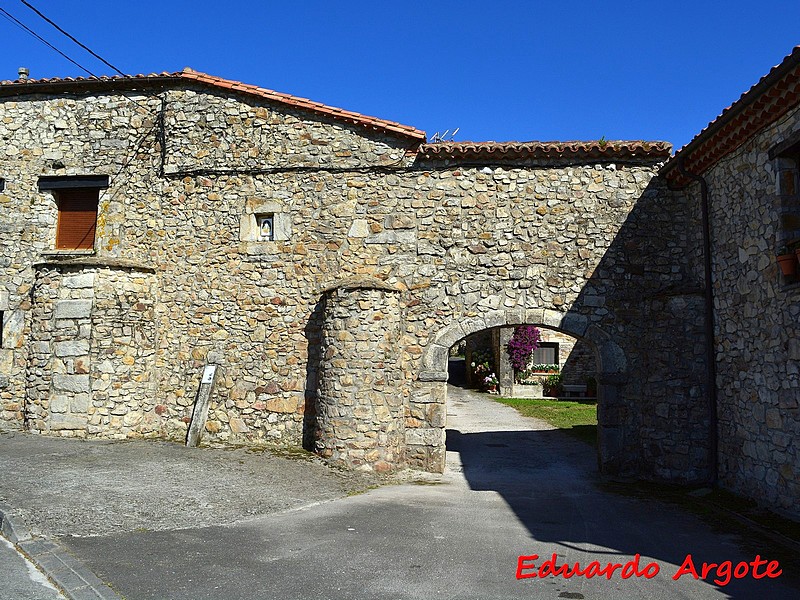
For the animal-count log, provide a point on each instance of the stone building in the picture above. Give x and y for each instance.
(744, 168)
(326, 261)
(571, 357)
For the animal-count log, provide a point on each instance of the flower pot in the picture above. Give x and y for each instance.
(788, 263)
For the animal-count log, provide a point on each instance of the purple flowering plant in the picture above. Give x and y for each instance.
(521, 346)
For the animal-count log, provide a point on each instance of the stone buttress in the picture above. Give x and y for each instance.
(360, 400)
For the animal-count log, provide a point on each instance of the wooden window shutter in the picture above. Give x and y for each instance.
(77, 218)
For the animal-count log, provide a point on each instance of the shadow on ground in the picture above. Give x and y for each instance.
(551, 483)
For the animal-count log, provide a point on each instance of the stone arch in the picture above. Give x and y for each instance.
(613, 428)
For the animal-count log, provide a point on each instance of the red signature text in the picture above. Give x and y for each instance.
(593, 569)
(725, 570)
(720, 573)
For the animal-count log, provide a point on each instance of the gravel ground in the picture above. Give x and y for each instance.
(82, 488)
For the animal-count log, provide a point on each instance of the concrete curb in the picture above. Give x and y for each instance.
(11, 526)
(72, 577)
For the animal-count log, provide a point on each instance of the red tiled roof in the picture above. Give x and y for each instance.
(18, 87)
(600, 149)
(764, 103)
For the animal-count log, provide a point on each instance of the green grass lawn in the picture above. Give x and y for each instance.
(578, 418)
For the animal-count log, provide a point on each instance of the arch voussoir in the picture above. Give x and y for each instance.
(435, 356)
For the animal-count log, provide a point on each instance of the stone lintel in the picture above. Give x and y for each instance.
(71, 383)
(71, 348)
(63, 260)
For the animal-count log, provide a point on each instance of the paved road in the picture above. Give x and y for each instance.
(513, 487)
(20, 580)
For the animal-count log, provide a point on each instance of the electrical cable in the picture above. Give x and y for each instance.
(89, 50)
(21, 25)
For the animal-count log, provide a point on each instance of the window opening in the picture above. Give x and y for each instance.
(77, 198)
(786, 160)
(77, 218)
(546, 354)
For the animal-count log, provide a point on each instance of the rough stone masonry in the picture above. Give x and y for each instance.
(333, 329)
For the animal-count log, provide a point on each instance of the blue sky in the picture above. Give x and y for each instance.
(498, 70)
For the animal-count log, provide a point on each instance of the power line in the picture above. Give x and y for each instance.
(21, 25)
(144, 136)
(89, 50)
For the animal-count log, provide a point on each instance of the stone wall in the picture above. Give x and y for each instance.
(604, 245)
(579, 365)
(64, 135)
(756, 314)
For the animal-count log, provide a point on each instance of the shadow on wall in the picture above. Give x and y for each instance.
(313, 332)
(580, 368)
(549, 480)
(641, 312)
(650, 282)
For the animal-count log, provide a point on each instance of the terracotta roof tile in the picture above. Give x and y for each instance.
(600, 149)
(764, 103)
(11, 88)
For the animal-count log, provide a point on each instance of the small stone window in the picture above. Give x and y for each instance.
(788, 198)
(264, 221)
(786, 163)
(77, 199)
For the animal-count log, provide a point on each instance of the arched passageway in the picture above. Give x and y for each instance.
(613, 429)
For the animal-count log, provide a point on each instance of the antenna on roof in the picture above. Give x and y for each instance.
(438, 138)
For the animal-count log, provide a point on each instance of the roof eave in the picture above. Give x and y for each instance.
(589, 151)
(44, 86)
(714, 142)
